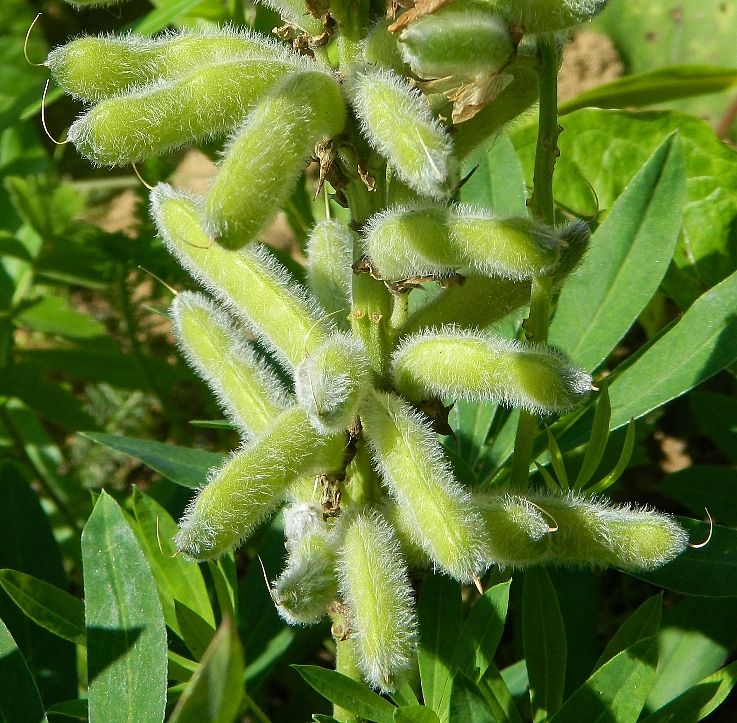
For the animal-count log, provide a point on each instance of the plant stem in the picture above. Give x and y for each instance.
(345, 660)
(541, 205)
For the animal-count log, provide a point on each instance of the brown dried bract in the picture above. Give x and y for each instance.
(422, 8)
(437, 414)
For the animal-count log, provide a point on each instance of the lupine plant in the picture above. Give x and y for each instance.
(341, 387)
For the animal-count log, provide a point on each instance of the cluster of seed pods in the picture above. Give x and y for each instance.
(349, 446)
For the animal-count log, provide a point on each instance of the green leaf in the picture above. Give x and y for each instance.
(467, 704)
(709, 571)
(165, 14)
(186, 467)
(694, 640)
(50, 400)
(47, 605)
(347, 693)
(215, 692)
(499, 697)
(599, 436)
(616, 692)
(481, 632)
(53, 315)
(471, 422)
(20, 701)
(515, 678)
(545, 643)
(195, 631)
(176, 578)
(415, 714)
(607, 148)
(498, 182)
(622, 462)
(224, 591)
(717, 417)
(71, 709)
(126, 636)
(643, 623)
(627, 259)
(703, 487)
(404, 696)
(556, 459)
(27, 545)
(180, 668)
(439, 615)
(702, 343)
(699, 700)
(654, 86)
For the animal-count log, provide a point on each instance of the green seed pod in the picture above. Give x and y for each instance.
(252, 483)
(378, 597)
(480, 301)
(547, 16)
(92, 68)
(461, 41)
(248, 391)
(329, 273)
(401, 521)
(294, 12)
(249, 282)
(331, 383)
(403, 243)
(642, 539)
(308, 585)
(398, 123)
(266, 156)
(471, 365)
(518, 533)
(441, 516)
(153, 120)
(382, 49)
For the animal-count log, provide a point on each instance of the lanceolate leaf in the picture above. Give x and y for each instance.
(126, 637)
(47, 605)
(703, 487)
(616, 692)
(186, 467)
(597, 441)
(545, 643)
(20, 700)
(347, 693)
(467, 704)
(628, 258)
(702, 343)
(415, 714)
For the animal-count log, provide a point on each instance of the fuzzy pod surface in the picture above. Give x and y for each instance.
(250, 282)
(547, 16)
(402, 243)
(308, 584)
(440, 515)
(378, 596)
(206, 102)
(463, 40)
(265, 158)
(249, 392)
(329, 273)
(92, 68)
(470, 365)
(252, 483)
(294, 13)
(331, 383)
(381, 48)
(398, 123)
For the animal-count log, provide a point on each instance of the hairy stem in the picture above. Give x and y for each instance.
(541, 205)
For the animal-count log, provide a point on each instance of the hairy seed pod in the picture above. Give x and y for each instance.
(378, 597)
(252, 483)
(469, 365)
(642, 539)
(547, 16)
(308, 585)
(518, 533)
(206, 102)
(461, 41)
(329, 273)
(441, 516)
(402, 523)
(250, 282)
(92, 68)
(481, 301)
(294, 12)
(248, 391)
(398, 123)
(331, 383)
(403, 243)
(265, 158)
(382, 49)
